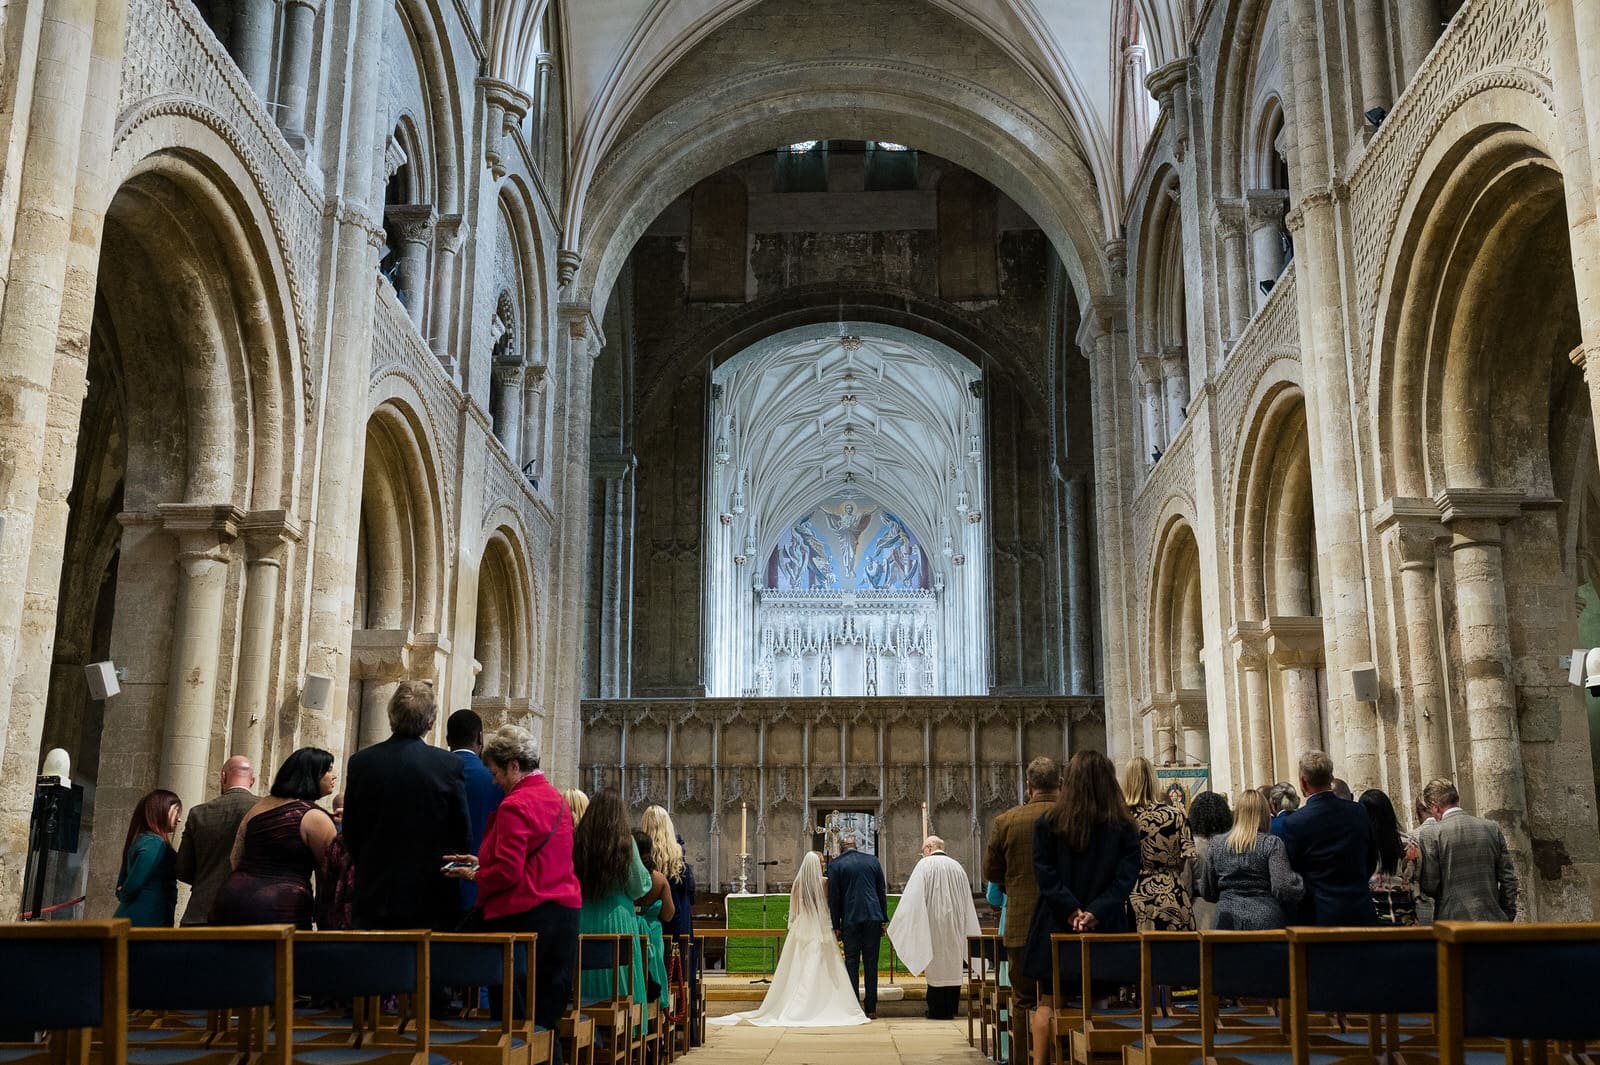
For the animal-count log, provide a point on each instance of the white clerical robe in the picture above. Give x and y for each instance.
(934, 919)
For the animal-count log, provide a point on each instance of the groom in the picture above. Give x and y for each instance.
(858, 898)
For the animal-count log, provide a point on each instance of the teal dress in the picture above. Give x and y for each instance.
(997, 899)
(650, 925)
(613, 914)
(148, 883)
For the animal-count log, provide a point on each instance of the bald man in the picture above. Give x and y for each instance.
(208, 834)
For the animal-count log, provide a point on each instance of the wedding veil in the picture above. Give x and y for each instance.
(807, 900)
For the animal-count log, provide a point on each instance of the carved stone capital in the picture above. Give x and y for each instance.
(1413, 527)
(1294, 641)
(567, 264)
(380, 654)
(451, 231)
(1150, 370)
(506, 99)
(582, 328)
(507, 375)
(267, 532)
(1117, 258)
(1174, 360)
(538, 375)
(413, 222)
(1266, 207)
(1228, 217)
(394, 156)
(1164, 80)
(1249, 639)
(203, 530)
(1459, 506)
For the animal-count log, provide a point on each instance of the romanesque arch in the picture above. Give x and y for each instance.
(504, 634)
(1161, 340)
(1179, 719)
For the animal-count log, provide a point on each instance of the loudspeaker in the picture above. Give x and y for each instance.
(315, 691)
(1575, 673)
(102, 680)
(1364, 682)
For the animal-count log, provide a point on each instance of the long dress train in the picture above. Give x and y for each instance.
(810, 988)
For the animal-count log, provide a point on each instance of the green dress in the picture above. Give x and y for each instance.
(613, 914)
(650, 925)
(148, 883)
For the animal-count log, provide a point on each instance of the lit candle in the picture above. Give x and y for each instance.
(924, 818)
(743, 814)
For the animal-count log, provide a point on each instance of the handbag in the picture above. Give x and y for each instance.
(677, 986)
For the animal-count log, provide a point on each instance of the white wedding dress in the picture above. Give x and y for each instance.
(810, 988)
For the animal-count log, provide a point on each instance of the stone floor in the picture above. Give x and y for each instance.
(912, 1040)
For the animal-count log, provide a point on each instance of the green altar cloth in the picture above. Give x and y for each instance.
(761, 955)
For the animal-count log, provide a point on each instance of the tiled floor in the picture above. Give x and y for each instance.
(912, 1040)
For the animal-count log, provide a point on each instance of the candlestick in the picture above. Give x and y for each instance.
(743, 815)
(924, 818)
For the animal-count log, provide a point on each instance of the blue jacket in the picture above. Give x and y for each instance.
(857, 892)
(482, 799)
(148, 884)
(1330, 844)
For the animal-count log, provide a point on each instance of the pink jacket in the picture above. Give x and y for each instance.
(522, 862)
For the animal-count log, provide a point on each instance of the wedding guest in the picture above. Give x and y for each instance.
(1085, 861)
(611, 876)
(1209, 818)
(1282, 799)
(667, 858)
(655, 909)
(1329, 843)
(282, 840)
(931, 925)
(147, 886)
(1009, 864)
(1246, 873)
(1394, 881)
(1160, 897)
(206, 852)
(524, 870)
(858, 900)
(407, 809)
(1341, 789)
(1466, 865)
(463, 734)
(577, 802)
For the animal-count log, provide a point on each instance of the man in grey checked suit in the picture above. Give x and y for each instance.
(1466, 867)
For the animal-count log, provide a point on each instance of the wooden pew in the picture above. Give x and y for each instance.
(67, 978)
(1167, 960)
(1113, 958)
(1518, 983)
(1066, 969)
(1379, 972)
(614, 1014)
(364, 967)
(224, 971)
(498, 961)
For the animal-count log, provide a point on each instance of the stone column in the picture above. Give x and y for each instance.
(295, 76)
(1155, 435)
(1266, 210)
(205, 535)
(1418, 31)
(1474, 519)
(546, 63)
(450, 232)
(379, 660)
(251, 42)
(1412, 530)
(265, 533)
(507, 106)
(505, 407)
(1175, 378)
(1228, 219)
(616, 574)
(1372, 48)
(1080, 617)
(1166, 713)
(533, 430)
(413, 230)
(1295, 644)
(1249, 640)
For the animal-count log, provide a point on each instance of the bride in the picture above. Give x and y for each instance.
(810, 988)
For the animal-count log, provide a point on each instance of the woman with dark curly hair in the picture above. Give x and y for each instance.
(1209, 817)
(611, 875)
(1085, 861)
(147, 886)
(282, 840)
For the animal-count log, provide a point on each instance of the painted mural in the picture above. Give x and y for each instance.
(848, 545)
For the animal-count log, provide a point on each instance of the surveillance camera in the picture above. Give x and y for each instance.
(1591, 671)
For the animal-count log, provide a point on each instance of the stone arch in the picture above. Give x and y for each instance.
(188, 448)
(1177, 704)
(400, 569)
(851, 99)
(1246, 65)
(1482, 418)
(438, 127)
(528, 258)
(504, 632)
(1161, 315)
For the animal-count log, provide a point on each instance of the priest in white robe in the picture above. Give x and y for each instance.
(932, 923)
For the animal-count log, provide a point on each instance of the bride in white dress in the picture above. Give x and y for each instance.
(810, 988)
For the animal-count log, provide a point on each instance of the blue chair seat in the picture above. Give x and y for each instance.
(1265, 1020)
(1221, 1039)
(173, 1056)
(21, 1053)
(357, 1056)
(158, 1035)
(1134, 1022)
(1282, 1057)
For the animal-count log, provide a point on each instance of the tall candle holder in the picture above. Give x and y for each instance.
(744, 874)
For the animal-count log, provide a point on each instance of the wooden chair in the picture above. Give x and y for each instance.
(576, 1029)
(500, 962)
(1066, 972)
(1242, 965)
(1515, 984)
(1379, 972)
(67, 978)
(977, 1000)
(246, 971)
(1167, 960)
(614, 1013)
(364, 967)
(648, 1038)
(1106, 958)
(997, 997)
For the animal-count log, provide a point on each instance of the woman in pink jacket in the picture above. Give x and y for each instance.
(523, 869)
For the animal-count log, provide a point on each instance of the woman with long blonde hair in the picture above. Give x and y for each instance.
(667, 859)
(1160, 898)
(1247, 874)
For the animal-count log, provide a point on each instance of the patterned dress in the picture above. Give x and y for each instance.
(1160, 898)
(1394, 895)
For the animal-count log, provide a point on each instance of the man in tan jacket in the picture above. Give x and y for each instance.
(1009, 864)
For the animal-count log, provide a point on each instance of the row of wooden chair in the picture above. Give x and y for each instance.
(1451, 994)
(197, 996)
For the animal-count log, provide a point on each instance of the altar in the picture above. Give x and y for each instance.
(760, 956)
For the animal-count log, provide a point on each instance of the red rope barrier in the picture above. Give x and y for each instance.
(51, 909)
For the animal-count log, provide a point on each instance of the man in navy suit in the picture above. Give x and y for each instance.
(858, 898)
(1330, 844)
(464, 733)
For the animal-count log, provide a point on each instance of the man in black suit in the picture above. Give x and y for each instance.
(405, 808)
(858, 898)
(1329, 843)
